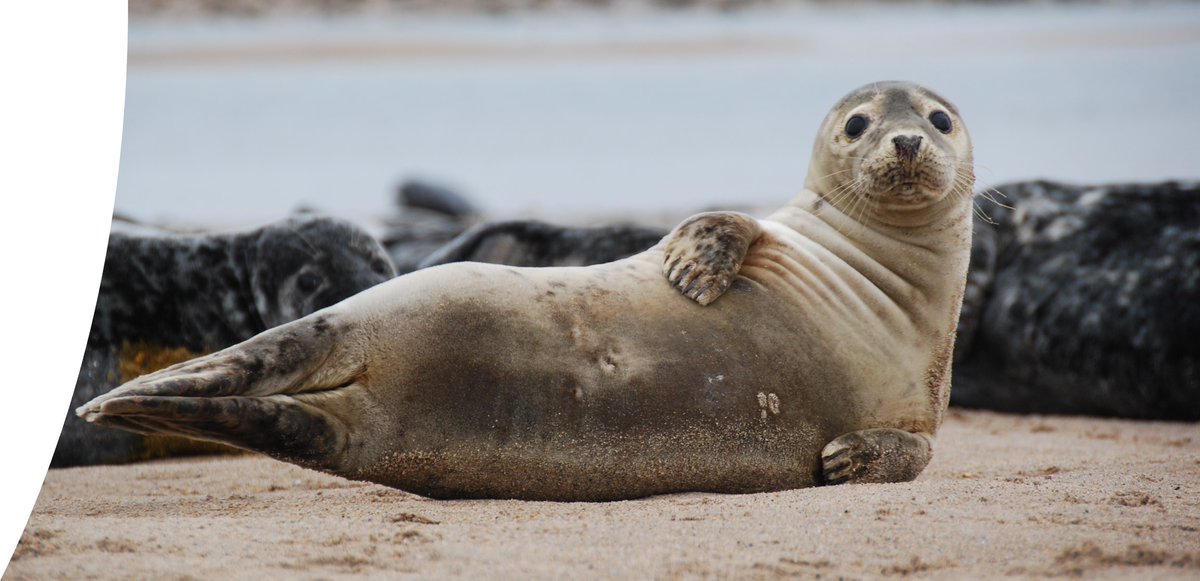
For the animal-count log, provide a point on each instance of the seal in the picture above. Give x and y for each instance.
(437, 225)
(167, 297)
(826, 359)
(533, 243)
(430, 216)
(1085, 300)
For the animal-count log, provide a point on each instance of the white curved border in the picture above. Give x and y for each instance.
(62, 73)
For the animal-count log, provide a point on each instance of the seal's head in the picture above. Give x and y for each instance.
(309, 262)
(890, 151)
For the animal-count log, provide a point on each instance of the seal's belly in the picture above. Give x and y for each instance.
(570, 382)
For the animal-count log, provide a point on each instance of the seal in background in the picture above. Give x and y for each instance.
(1085, 300)
(166, 298)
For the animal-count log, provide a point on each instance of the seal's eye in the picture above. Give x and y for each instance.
(941, 120)
(855, 126)
(378, 266)
(308, 282)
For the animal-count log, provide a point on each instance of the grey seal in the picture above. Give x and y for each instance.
(166, 297)
(533, 243)
(430, 216)
(1085, 300)
(825, 359)
(437, 225)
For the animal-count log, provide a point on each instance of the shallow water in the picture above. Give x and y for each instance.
(581, 114)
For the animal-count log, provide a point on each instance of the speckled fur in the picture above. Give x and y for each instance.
(602, 383)
(200, 293)
(1085, 300)
(705, 252)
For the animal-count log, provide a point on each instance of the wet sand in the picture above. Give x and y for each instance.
(1005, 496)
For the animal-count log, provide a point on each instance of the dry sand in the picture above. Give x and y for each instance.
(1004, 496)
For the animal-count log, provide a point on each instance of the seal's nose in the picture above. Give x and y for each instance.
(907, 146)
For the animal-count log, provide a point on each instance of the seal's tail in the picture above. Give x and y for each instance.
(256, 395)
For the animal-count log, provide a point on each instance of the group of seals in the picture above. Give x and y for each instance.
(1085, 300)
(823, 355)
(167, 297)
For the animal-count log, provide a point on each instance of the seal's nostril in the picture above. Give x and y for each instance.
(907, 145)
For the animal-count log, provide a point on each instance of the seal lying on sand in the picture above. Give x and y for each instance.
(1085, 300)
(167, 298)
(827, 359)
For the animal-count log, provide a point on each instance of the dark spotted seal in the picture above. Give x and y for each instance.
(164, 298)
(437, 225)
(430, 216)
(1085, 300)
(532, 243)
(826, 359)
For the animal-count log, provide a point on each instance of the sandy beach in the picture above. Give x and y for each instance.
(238, 122)
(1006, 496)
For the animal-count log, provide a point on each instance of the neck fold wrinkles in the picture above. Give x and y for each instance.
(914, 266)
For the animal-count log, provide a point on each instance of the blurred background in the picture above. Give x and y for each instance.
(240, 111)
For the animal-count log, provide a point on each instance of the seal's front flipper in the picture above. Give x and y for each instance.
(705, 253)
(876, 455)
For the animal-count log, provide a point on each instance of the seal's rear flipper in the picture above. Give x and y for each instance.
(280, 426)
(261, 395)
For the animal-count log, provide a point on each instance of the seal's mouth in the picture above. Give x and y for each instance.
(906, 182)
(908, 188)
(913, 191)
